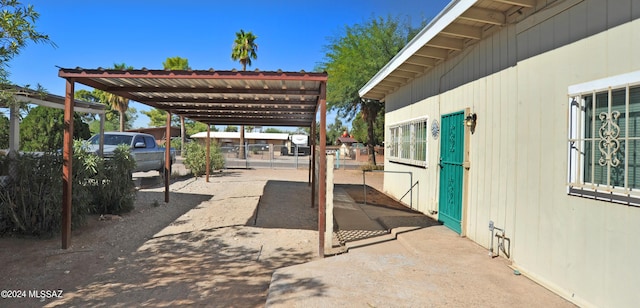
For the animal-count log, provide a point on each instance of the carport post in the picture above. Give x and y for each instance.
(322, 189)
(313, 178)
(167, 157)
(208, 154)
(67, 162)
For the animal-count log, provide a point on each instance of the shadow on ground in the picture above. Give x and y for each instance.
(200, 268)
(197, 258)
(285, 205)
(359, 215)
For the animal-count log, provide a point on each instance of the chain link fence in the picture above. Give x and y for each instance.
(267, 156)
(293, 157)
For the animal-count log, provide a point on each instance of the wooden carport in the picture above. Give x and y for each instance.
(212, 97)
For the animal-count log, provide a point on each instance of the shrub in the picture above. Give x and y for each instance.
(112, 188)
(195, 158)
(371, 167)
(30, 201)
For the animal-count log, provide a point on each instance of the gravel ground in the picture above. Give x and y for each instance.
(215, 243)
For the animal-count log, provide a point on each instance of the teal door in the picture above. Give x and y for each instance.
(451, 170)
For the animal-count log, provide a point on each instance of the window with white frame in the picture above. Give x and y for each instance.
(408, 142)
(604, 139)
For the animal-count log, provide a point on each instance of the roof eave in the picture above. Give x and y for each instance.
(452, 11)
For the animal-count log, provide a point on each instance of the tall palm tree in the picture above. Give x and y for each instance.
(178, 63)
(118, 102)
(244, 49)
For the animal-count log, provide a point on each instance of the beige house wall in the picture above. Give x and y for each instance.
(516, 81)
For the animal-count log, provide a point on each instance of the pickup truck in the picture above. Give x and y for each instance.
(144, 149)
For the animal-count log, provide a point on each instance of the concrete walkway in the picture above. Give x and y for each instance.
(420, 263)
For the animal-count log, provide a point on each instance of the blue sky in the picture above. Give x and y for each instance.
(291, 34)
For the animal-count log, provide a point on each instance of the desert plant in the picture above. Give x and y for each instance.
(195, 158)
(30, 199)
(112, 188)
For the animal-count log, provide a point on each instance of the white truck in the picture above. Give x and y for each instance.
(144, 149)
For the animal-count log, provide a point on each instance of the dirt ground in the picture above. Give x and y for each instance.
(213, 244)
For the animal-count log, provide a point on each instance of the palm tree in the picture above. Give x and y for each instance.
(178, 63)
(119, 103)
(244, 49)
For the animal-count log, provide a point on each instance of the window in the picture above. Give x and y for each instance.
(150, 142)
(604, 139)
(408, 142)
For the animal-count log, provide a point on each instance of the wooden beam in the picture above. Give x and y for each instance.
(167, 157)
(393, 83)
(229, 91)
(67, 164)
(235, 121)
(405, 67)
(385, 87)
(486, 16)
(208, 154)
(446, 43)
(249, 116)
(190, 100)
(403, 74)
(267, 110)
(464, 31)
(401, 80)
(312, 164)
(523, 3)
(322, 164)
(421, 61)
(432, 52)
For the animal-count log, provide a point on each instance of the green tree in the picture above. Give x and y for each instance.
(43, 129)
(231, 128)
(244, 49)
(193, 127)
(273, 130)
(359, 129)
(178, 63)
(353, 58)
(335, 130)
(17, 29)
(4, 132)
(112, 117)
(158, 118)
(119, 103)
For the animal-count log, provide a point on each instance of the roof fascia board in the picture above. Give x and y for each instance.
(442, 20)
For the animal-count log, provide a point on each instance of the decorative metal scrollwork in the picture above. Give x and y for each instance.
(451, 191)
(435, 129)
(609, 143)
(452, 138)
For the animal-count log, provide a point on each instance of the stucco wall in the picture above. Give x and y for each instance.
(516, 81)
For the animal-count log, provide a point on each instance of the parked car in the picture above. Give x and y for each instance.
(144, 149)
